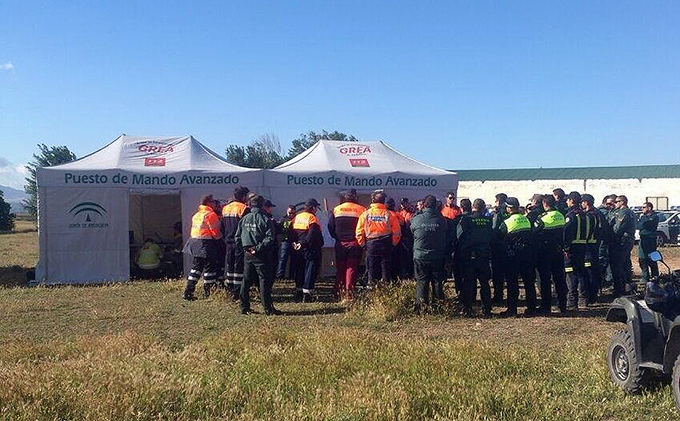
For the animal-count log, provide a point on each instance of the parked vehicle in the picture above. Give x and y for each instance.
(668, 231)
(650, 342)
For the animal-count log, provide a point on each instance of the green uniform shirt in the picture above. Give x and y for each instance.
(255, 231)
(433, 235)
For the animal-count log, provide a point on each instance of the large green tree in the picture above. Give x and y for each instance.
(46, 157)
(6, 215)
(266, 152)
(263, 152)
(307, 140)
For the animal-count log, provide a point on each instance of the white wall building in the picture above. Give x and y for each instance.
(659, 184)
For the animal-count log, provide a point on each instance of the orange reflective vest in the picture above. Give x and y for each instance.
(342, 223)
(205, 224)
(303, 220)
(406, 215)
(231, 215)
(451, 211)
(378, 222)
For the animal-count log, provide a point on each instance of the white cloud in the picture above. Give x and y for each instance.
(7, 66)
(12, 175)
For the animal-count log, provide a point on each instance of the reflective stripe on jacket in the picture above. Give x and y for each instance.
(205, 224)
(231, 215)
(377, 222)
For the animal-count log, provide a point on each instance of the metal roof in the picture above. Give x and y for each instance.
(575, 173)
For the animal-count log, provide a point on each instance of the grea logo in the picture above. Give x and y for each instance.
(88, 215)
(154, 147)
(354, 149)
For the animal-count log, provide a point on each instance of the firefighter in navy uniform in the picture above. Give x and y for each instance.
(517, 232)
(342, 225)
(577, 230)
(203, 247)
(549, 235)
(307, 241)
(647, 225)
(379, 230)
(257, 238)
(599, 229)
(233, 261)
(474, 234)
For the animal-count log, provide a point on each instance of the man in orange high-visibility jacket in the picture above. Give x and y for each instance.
(202, 246)
(379, 230)
(307, 240)
(450, 210)
(233, 259)
(342, 225)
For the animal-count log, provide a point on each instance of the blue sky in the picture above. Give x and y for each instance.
(470, 84)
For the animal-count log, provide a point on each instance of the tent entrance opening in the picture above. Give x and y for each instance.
(155, 235)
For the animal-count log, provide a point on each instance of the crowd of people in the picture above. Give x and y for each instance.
(562, 240)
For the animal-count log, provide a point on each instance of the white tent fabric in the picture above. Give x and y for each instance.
(84, 206)
(331, 167)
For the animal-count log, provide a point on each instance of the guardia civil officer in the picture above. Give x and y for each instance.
(256, 236)
(379, 230)
(549, 234)
(433, 238)
(202, 246)
(498, 248)
(231, 215)
(598, 234)
(623, 227)
(307, 241)
(647, 225)
(474, 234)
(457, 264)
(342, 225)
(606, 209)
(516, 230)
(577, 231)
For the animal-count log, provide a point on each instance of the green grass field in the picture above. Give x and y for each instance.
(137, 351)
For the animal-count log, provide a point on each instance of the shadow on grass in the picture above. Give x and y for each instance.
(14, 276)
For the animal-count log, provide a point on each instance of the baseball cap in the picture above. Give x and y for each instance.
(268, 203)
(512, 202)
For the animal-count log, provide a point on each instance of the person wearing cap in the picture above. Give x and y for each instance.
(257, 238)
(307, 241)
(285, 246)
(498, 248)
(406, 243)
(233, 261)
(577, 230)
(623, 240)
(378, 229)
(549, 246)
(516, 230)
(433, 238)
(450, 210)
(474, 234)
(342, 224)
(647, 225)
(598, 232)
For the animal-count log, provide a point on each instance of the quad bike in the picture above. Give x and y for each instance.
(650, 342)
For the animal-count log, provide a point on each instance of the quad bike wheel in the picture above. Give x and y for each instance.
(676, 382)
(624, 367)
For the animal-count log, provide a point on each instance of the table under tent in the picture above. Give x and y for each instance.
(329, 168)
(94, 213)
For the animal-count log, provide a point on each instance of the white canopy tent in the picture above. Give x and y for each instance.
(328, 168)
(91, 211)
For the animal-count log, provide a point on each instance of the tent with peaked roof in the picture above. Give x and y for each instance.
(94, 212)
(329, 168)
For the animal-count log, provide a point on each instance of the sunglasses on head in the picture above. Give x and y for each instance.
(619, 201)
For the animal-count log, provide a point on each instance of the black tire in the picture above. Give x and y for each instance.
(661, 239)
(675, 379)
(624, 367)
